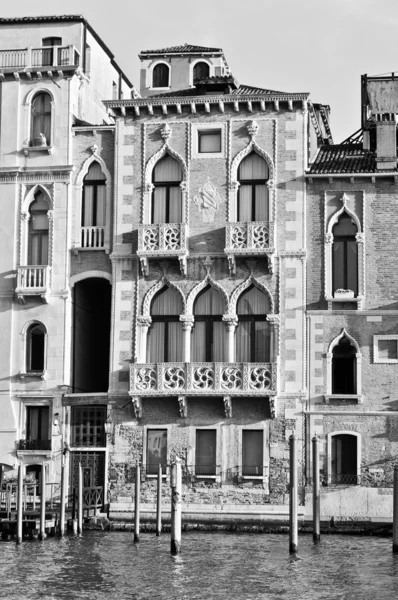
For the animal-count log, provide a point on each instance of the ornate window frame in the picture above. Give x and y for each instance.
(24, 371)
(215, 126)
(329, 437)
(328, 249)
(358, 397)
(376, 358)
(28, 147)
(24, 223)
(78, 190)
(150, 73)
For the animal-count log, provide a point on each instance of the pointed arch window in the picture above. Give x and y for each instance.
(165, 336)
(253, 201)
(41, 119)
(344, 368)
(166, 195)
(35, 348)
(253, 332)
(94, 195)
(208, 331)
(201, 70)
(161, 76)
(345, 255)
(38, 231)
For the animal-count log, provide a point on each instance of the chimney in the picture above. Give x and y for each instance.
(386, 143)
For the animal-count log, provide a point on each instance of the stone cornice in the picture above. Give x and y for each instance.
(331, 176)
(58, 173)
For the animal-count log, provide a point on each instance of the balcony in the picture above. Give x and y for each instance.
(45, 58)
(252, 238)
(197, 379)
(33, 281)
(93, 238)
(163, 240)
(34, 445)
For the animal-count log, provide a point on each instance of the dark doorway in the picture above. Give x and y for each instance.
(344, 459)
(91, 335)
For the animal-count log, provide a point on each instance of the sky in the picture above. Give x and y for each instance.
(317, 46)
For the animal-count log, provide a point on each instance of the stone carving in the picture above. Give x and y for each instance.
(165, 132)
(252, 129)
(183, 406)
(228, 406)
(208, 200)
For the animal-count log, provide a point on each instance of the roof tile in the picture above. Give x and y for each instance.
(183, 48)
(343, 158)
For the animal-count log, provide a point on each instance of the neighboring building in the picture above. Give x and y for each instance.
(352, 308)
(52, 81)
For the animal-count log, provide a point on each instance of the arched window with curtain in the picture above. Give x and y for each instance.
(165, 341)
(160, 76)
(208, 331)
(201, 70)
(41, 119)
(345, 255)
(253, 203)
(344, 368)
(166, 196)
(38, 231)
(35, 348)
(253, 331)
(94, 194)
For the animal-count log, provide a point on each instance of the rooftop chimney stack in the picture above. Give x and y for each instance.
(386, 142)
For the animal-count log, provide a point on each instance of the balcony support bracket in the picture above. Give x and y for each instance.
(183, 406)
(273, 406)
(228, 406)
(144, 265)
(137, 405)
(231, 264)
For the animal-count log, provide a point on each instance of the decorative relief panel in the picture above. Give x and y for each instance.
(208, 200)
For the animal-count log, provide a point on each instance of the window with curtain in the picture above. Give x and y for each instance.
(41, 119)
(38, 231)
(207, 341)
(37, 423)
(201, 70)
(166, 195)
(165, 336)
(252, 452)
(160, 76)
(205, 463)
(252, 335)
(156, 450)
(344, 364)
(94, 194)
(345, 255)
(47, 55)
(35, 348)
(253, 202)
(209, 140)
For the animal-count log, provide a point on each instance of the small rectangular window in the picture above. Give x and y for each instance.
(385, 348)
(37, 423)
(205, 463)
(156, 450)
(252, 452)
(209, 141)
(87, 428)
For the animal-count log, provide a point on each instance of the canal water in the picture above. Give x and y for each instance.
(227, 566)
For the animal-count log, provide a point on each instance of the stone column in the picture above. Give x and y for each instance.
(187, 324)
(273, 320)
(143, 324)
(231, 322)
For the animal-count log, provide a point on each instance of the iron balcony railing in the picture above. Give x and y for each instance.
(203, 470)
(34, 445)
(93, 237)
(46, 56)
(346, 479)
(203, 378)
(249, 237)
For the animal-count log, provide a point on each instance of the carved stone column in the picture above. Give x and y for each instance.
(143, 324)
(328, 264)
(360, 239)
(231, 322)
(274, 322)
(187, 324)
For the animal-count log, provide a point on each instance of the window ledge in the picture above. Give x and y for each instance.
(215, 478)
(41, 149)
(164, 477)
(354, 397)
(160, 89)
(331, 300)
(250, 477)
(35, 374)
(78, 249)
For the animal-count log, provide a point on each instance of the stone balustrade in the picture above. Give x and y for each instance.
(45, 56)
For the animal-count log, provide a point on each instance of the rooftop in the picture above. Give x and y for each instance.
(241, 90)
(182, 49)
(343, 158)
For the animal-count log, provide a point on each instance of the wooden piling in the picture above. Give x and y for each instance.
(62, 513)
(316, 498)
(19, 505)
(176, 493)
(395, 512)
(293, 526)
(42, 533)
(80, 500)
(159, 502)
(137, 503)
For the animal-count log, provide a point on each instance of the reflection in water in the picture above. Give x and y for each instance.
(109, 565)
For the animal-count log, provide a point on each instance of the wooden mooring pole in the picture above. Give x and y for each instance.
(395, 513)
(293, 526)
(316, 498)
(137, 503)
(19, 505)
(159, 502)
(80, 501)
(42, 533)
(176, 493)
(62, 513)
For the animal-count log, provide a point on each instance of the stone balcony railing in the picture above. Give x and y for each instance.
(254, 379)
(251, 238)
(162, 240)
(33, 281)
(93, 237)
(38, 58)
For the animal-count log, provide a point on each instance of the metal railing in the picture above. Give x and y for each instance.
(45, 56)
(92, 237)
(34, 445)
(345, 479)
(33, 278)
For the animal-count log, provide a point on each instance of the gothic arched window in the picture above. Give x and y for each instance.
(165, 342)
(253, 174)
(344, 368)
(253, 331)
(208, 331)
(38, 231)
(345, 255)
(166, 196)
